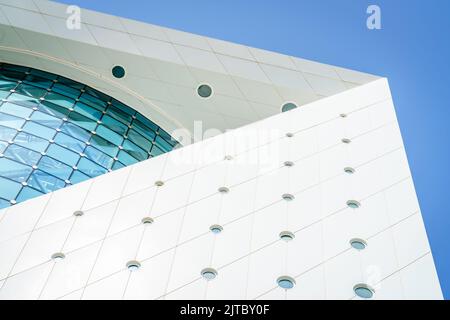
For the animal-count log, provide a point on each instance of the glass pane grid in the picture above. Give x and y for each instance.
(56, 132)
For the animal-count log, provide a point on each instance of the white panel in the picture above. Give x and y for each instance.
(110, 288)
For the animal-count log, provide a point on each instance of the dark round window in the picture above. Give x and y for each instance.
(118, 72)
(204, 91)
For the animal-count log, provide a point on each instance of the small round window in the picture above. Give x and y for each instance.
(204, 91)
(286, 282)
(288, 107)
(118, 72)
(363, 291)
(358, 244)
(209, 274)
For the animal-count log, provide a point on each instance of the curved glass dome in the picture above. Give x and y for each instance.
(56, 132)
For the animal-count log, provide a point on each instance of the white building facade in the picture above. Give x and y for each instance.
(245, 202)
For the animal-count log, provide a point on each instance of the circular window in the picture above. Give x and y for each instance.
(363, 291)
(289, 135)
(289, 164)
(133, 265)
(159, 183)
(288, 107)
(353, 204)
(224, 190)
(286, 282)
(147, 220)
(358, 244)
(216, 229)
(228, 158)
(343, 115)
(346, 141)
(287, 236)
(204, 91)
(78, 213)
(209, 274)
(118, 72)
(58, 256)
(349, 170)
(288, 197)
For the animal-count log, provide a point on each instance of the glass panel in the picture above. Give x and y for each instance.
(7, 134)
(53, 109)
(105, 146)
(4, 204)
(139, 140)
(77, 177)
(119, 115)
(99, 157)
(90, 168)
(38, 81)
(109, 135)
(46, 119)
(135, 151)
(9, 189)
(62, 154)
(69, 142)
(16, 110)
(146, 122)
(117, 165)
(93, 101)
(28, 193)
(65, 90)
(30, 91)
(115, 125)
(55, 168)
(126, 158)
(82, 121)
(75, 131)
(143, 130)
(32, 142)
(23, 155)
(88, 111)
(10, 121)
(23, 100)
(60, 100)
(38, 130)
(6, 85)
(163, 144)
(45, 182)
(14, 170)
(3, 146)
(156, 151)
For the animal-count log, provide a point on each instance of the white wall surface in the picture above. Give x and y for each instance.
(248, 254)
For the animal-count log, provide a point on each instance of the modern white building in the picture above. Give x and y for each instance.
(140, 162)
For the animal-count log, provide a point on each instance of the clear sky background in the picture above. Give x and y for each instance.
(412, 50)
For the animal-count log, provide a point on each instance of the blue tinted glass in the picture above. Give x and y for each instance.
(4, 203)
(88, 111)
(99, 157)
(16, 110)
(109, 135)
(9, 189)
(55, 168)
(114, 125)
(38, 130)
(106, 146)
(60, 100)
(14, 170)
(27, 193)
(68, 113)
(66, 156)
(44, 182)
(90, 168)
(7, 134)
(11, 121)
(69, 142)
(126, 158)
(135, 151)
(75, 131)
(32, 142)
(46, 120)
(22, 154)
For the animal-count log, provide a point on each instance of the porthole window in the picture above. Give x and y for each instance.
(147, 220)
(288, 164)
(358, 244)
(159, 183)
(209, 274)
(353, 204)
(343, 115)
(216, 229)
(133, 265)
(349, 170)
(204, 91)
(287, 236)
(224, 190)
(78, 213)
(228, 158)
(286, 282)
(364, 291)
(118, 72)
(288, 107)
(346, 141)
(58, 256)
(288, 197)
(289, 135)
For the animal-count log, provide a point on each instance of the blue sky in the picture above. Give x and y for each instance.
(412, 49)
